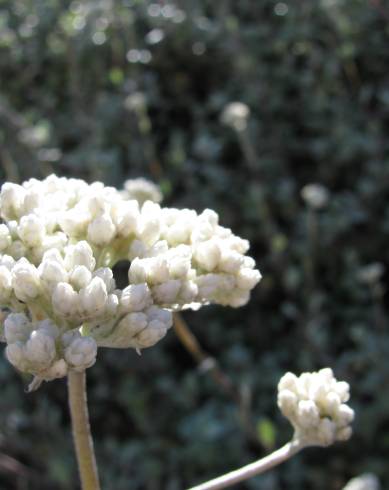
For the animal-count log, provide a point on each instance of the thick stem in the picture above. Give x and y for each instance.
(81, 431)
(253, 469)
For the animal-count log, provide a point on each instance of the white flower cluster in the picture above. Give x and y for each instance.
(316, 196)
(236, 115)
(60, 239)
(315, 404)
(40, 349)
(371, 273)
(367, 481)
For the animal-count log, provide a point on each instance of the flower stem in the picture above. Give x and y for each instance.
(81, 431)
(253, 469)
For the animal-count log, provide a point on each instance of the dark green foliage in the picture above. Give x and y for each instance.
(112, 89)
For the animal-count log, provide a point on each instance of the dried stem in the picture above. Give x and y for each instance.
(203, 359)
(81, 431)
(253, 469)
(209, 364)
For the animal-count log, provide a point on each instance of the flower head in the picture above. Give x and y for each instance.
(59, 241)
(236, 115)
(316, 196)
(315, 404)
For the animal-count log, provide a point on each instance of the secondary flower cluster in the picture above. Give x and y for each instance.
(315, 404)
(367, 481)
(60, 239)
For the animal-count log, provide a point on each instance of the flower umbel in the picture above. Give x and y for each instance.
(315, 404)
(59, 241)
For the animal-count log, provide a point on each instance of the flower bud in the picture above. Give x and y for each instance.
(25, 280)
(17, 327)
(142, 190)
(40, 350)
(79, 254)
(101, 230)
(81, 353)
(106, 274)
(208, 255)
(65, 300)
(31, 230)
(51, 273)
(126, 218)
(135, 297)
(5, 284)
(11, 200)
(80, 277)
(93, 297)
(5, 237)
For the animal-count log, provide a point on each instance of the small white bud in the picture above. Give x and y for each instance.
(345, 415)
(17, 249)
(142, 190)
(25, 280)
(7, 261)
(101, 230)
(179, 266)
(15, 355)
(5, 284)
(32, 230)
(167, 292)
(208, 255)
(11, 200)
(148, 337)
(52, 272)
(81, 352)
(80, 277)
(74, 222)
(326, 432)
(137, 272)
(130, 326)
(17, 327)
(248, 278)
(150, 223)
(65, 299)
(308, 414)
(5, 237)
(106, 274)
(126, 218)
(135, 297)
(137, 250)
(40, 350)
(93, 297)
(58, 369)
(287, 402)
(79, 254)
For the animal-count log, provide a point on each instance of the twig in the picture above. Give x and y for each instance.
(203, 359)
(209, 364)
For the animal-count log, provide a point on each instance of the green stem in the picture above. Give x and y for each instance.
(81, 431)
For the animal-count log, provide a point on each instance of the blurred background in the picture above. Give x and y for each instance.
(273, 113)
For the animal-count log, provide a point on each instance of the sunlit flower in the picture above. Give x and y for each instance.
(59, 242)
